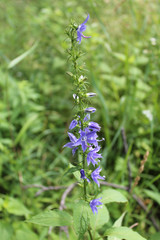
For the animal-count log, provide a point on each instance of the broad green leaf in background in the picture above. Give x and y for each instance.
(81, 218)
(123, 233)
(14, 206)
(6, 231)
(52, 218)
(135, 71)
(120, 56)
(25, 234)
(18, 59)
(155, 236)
(22, 230)
(111, 195)
(154, 195)
(3, 148)
(98, 220)
(142, 60)
(117, 223)
(1, 203)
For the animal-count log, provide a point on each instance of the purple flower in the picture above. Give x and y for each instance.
(70, 144)
(94, 203)
(86, 137)
(73, 124)
(81, 28)
(95, 175)
(90, 110)
(94, 126)
(83, 175)
(92, 155)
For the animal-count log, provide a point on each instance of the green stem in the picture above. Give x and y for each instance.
(79, 87)
(90, 234)
(84, 185)
(84, 163)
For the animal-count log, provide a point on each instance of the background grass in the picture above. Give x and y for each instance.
(36, 105)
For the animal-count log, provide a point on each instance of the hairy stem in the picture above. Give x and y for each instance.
(84, 186)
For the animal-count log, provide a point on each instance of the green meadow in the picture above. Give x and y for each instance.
(122, 63)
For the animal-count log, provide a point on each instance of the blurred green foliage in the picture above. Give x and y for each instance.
(36, 105)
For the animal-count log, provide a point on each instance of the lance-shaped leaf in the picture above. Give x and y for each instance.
(18, 59)
(123, 233)
(52, 218)
(98, 220)
(81, 220)
(111, 195)
(117, 223)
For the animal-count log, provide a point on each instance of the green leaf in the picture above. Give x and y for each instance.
(98, 220)
(123, 233)
(15, 61)
(52, 218)
(111, 195)
(117, 223)
(81, 218)
(135, 71)
(70, 74)
(14, 206)
(26, 125)
(6, 231)
(1, 203)
(155, 236)
(154, 195)
(72, 170)
(21, 234)
(25, 234)
(76, 173)
(120, 56)
(142, 60)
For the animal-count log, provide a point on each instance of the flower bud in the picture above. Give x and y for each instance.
(91, 94)
(81, 78)
(90, 110)
(76, 97)
(73, 124)
(94, 126)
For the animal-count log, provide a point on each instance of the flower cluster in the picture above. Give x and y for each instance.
(83, 133)
(88, 142)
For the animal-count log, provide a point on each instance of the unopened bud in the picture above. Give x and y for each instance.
(76, 97)
(91, 94)
(90, 110)
(81, 78)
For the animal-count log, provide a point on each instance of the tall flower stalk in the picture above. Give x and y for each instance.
(82, 131)
(84, 142)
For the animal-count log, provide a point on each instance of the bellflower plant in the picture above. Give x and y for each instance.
(85, 140)
(85, 145)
